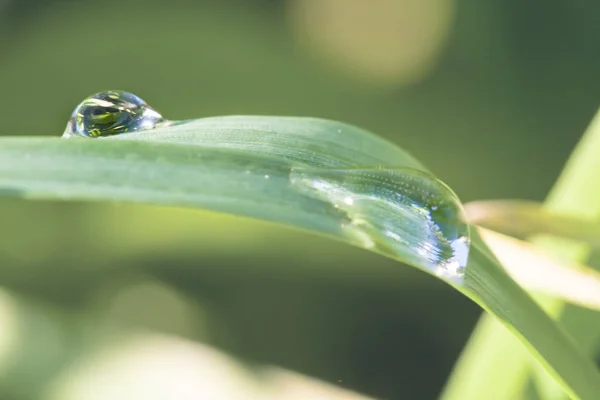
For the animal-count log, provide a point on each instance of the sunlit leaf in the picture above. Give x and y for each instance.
(522, 219)
(241, 165)
(493, 362)
(539, 271)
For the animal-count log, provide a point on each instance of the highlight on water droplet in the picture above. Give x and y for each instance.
(404, 213)
(111, 113)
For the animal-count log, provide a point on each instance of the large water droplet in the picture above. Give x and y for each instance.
(404, 213)
(111, 113)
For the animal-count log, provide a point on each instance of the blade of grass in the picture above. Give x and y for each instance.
(575, 194)
(537, 271)
(491, 348)
(523, 219)
(241, 165)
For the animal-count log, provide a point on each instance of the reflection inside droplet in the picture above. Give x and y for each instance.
(111, 113)
(405, 213)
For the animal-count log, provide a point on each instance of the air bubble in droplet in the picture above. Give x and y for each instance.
(111, 113)
(407, 214)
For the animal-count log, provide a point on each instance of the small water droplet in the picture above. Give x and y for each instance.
(111, 113)
(404, 213)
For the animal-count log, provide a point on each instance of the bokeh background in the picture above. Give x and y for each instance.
(115, 301)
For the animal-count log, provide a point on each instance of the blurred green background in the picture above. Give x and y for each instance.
(491, 95)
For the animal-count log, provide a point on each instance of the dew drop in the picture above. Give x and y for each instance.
(111, 113)
(404, 213)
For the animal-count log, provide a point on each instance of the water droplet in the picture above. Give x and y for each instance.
(404, 213)
(111, 113)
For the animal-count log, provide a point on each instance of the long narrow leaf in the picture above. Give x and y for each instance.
(494, 364)
(241, 165)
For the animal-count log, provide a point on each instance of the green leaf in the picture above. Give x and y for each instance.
(241, 165)
(577, 195)
(504, 370)
(523, 219)
(540, 272)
